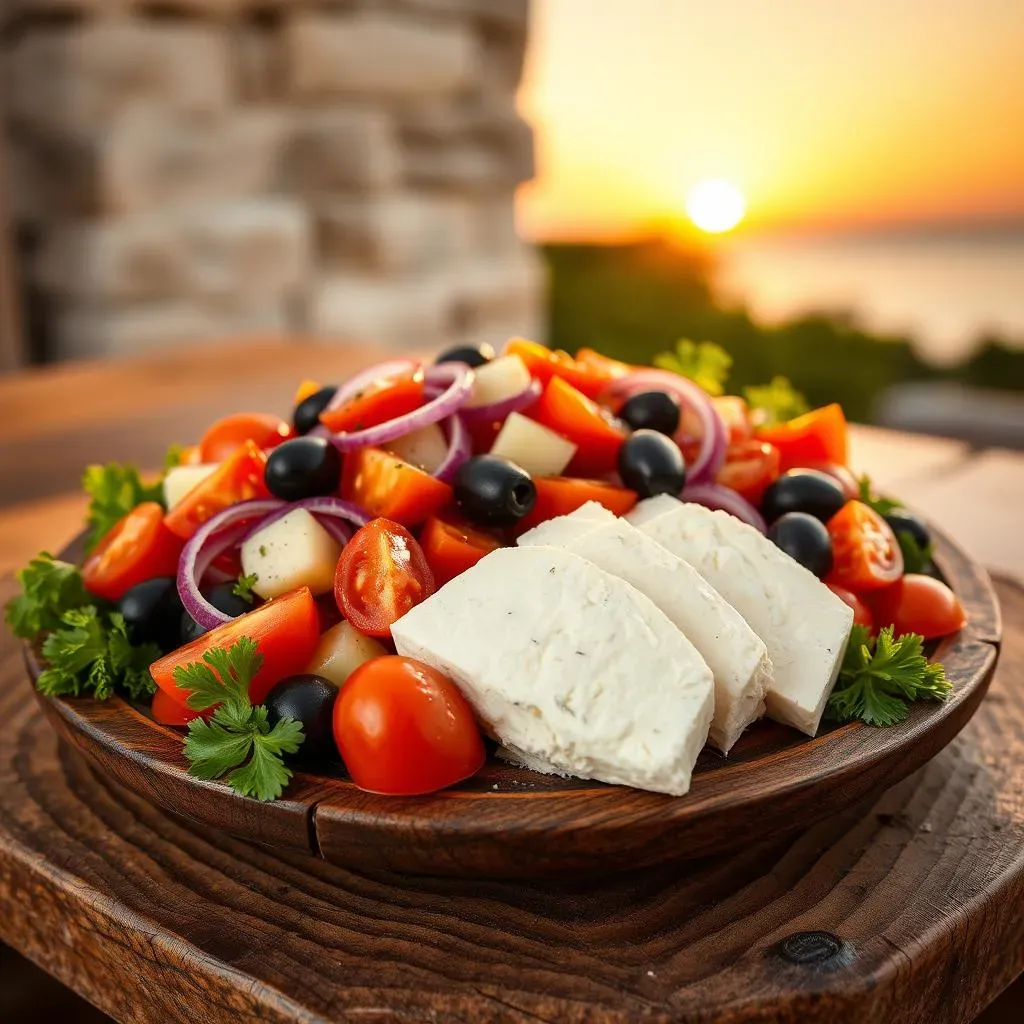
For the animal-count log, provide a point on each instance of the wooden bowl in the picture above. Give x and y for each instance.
(509, 822)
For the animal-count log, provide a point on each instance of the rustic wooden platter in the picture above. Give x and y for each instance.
(509, 822)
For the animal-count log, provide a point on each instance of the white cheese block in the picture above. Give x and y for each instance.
(342, 649)
(179, 480)
(737, 657)
(570, 667)
(497, 380)
(803, 624)
(425, 448)
(294, 551)
(532, 446)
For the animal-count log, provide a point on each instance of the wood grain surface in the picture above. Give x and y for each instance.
(508, 822)
(917, 894)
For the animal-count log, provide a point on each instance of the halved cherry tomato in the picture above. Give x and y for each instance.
(305, 389)
(136, 548)
(238, 478)
(735, 414)
(865, 553)
(560, 495)
(381, 574)
(223, 437)
(862, 615)
(750, 466)
(385, 485)
(167, 711)
(842, 476)
(918, 604)
(451, 549)
(597, 434)
(404, 729)
(382, 401)
(286, 630)
(817, 436)
(590, 378)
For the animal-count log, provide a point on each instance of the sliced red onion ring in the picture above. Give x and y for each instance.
(364, 378)
(216, 535)
(500, 410)
(718, 496)
(691, 397)
(460, 447)
(458, 381)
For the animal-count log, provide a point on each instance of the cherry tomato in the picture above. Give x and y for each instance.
(238, 478)
(750, 466)
(560, 495)
(136, 548)
(735, 414)
(590, 377)
(404, 729)
(382, 401)
(381, 574)
(918, 604)
(224, 437)
(167, 711)
(386, 486)
(865, 553)
(603, 365)
(818, 436)
(451, 549)
(842, 476)
(862, 615)
(286, 631)
(596, 433)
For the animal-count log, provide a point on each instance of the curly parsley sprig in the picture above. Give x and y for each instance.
(703, 362)
(238, 738)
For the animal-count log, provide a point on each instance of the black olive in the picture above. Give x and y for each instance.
(152, 612)
(223, 597)
(492, 491)
(471, 355)
(651, 463)
(652, 410)
(307, 413)
(803, 490)
(804, 538)
(305, 467)
(903, 521)
(309, 700)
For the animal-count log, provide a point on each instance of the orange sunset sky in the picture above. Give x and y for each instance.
(825, 113)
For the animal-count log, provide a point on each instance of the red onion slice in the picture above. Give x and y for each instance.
(457, 379)
(691, 397)
(501, 410)
(460, 447)
(718, 496)
(364, 378)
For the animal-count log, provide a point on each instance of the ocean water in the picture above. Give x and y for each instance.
(944, 292)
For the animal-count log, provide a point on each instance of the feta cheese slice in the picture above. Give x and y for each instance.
(570, 667)
(293, 551)
(803, 624)
(737, 657)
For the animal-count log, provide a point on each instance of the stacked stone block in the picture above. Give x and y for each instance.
(198, 169)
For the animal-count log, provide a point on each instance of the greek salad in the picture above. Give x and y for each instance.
(598, 568)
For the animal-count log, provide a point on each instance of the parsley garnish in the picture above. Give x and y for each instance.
(883, 506)
(115, 490)
(238, 737)
(243, 587)
(173, 456)
(879, 677)
(704, 362)
(776, 401)
(49, 588)
(915, 557)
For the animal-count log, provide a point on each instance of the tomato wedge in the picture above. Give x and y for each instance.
(286, 631)
(381, 574)
(402, 728)
(451, 549)
(919, 604)
(306, 389)
(590, 377)
(382, 401)
(603, 365)
(224, 436)
(597, 434)
(385, 485)
(136, 548)
(238, 478)
(865, 553)
(167, 711)
(560, 495)
(749, 467)
(817, 436)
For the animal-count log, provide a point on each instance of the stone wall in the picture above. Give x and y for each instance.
(202, 168)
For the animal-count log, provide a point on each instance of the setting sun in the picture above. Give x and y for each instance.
(715, 205)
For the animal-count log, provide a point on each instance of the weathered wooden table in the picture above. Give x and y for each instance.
(910, 908)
